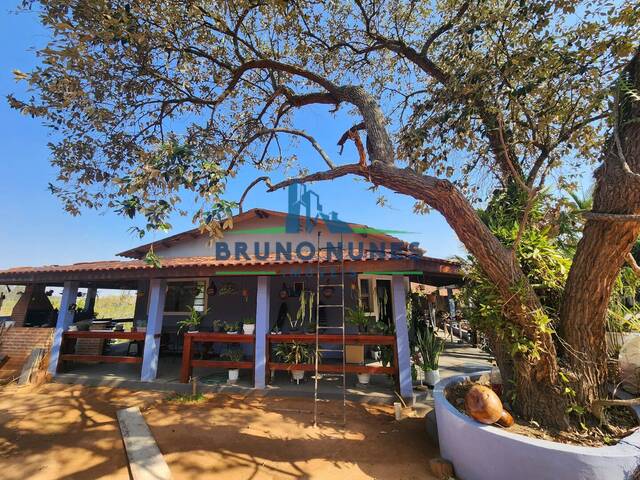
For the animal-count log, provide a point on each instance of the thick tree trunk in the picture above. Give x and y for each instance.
(535, 382)
(601, 252)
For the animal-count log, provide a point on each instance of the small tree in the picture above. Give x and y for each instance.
(456, 98)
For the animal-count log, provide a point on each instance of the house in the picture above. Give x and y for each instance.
(257, 273)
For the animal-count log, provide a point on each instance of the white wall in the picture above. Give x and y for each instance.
(204, 246)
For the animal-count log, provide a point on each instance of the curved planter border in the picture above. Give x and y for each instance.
(483, 452)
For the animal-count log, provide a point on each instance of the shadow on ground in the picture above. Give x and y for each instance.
(69, 431)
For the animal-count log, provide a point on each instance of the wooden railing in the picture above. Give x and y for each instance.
(188, 362)
(358, 339)
(69, 339)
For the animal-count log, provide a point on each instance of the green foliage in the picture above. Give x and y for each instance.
(430, 347)
(152, 259)
(295, 353)
(232, 354)
(116, 306)
(358, 316)
(231, 327)
(305, 310)
(186, 398)
(250, 320)
(623, 314)
(148, 102)
(543, 259)
(193, 320)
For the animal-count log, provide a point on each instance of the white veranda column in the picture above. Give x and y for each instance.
(157, 294)
(65, 317)
(402, 335)
(262, 328)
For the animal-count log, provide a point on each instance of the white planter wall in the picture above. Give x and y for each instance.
(482, 452)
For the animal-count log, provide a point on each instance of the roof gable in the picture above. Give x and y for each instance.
(259, 221)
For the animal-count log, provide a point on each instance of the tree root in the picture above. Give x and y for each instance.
(598, 406)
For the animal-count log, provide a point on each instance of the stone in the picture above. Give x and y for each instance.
(441, 468)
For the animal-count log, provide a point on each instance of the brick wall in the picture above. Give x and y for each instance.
(17, 343)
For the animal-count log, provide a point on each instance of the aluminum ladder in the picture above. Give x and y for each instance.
(322, 281)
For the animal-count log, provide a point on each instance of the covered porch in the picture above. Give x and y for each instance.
(228, 293)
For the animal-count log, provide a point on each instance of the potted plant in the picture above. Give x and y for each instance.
(355, 353)
(231, 328)
(430, 347)
(233, 355)
(218, 326)
(359, 317)
(249, 325)
(192, 322)
(295, 353)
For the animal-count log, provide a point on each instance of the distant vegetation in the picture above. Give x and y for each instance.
(109, 304)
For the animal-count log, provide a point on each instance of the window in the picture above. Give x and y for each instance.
(365, 295)
(184, 294)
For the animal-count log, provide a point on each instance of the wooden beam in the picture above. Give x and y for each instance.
(72, 357)
(106, 335)
(210, 337)
(357, 339)
(221, 364)
(333, 368)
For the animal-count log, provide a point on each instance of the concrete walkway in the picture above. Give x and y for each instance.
(463, 359)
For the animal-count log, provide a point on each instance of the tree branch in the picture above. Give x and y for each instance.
(249, 187)
(289, 131)
(611, 217)
(444, 28)
(631, 261)
(336, 172)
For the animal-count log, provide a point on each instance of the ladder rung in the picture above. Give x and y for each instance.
(330, 328)
(327, 306)
(331, 350)
(322, 285)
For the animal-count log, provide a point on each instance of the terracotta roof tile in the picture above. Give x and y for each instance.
(204, 261)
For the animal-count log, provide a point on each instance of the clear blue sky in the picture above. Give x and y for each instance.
(35, 230)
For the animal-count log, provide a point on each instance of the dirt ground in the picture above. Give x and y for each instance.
(71, 432)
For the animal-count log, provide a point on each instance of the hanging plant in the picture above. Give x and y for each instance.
(212, 290)
(228, 288)
(152, 259)
(245, 295)
(284, 293)
(305, 310)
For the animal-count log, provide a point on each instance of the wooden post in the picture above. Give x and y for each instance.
(262, 328)
(151, 355)
(90, 299)
(187, 370)
(402, 336)
(65, 318)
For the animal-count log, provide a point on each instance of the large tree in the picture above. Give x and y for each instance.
(455, 99)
